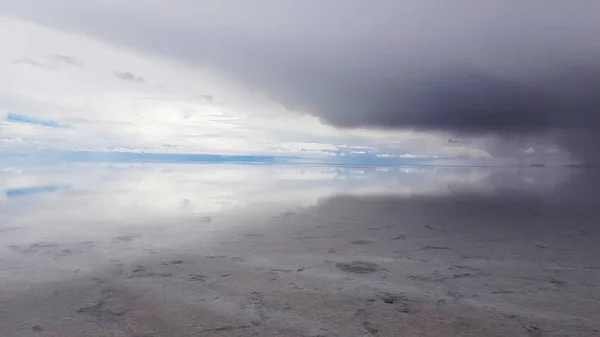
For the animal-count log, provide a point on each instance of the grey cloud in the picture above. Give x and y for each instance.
(519, 72)
(54, 61)
(208, 98)
(66, 59)
(458, 141)
(167, 146)
(34, 63)
(127, 76)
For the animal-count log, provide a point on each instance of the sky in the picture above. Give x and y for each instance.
(466, 81)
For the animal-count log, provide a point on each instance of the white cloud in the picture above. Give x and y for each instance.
(114, 99)
(15, 140)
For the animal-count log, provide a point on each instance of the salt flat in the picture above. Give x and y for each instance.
(266, 250)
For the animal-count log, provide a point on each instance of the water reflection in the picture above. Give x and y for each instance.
(126, 192)
(519, 241)
(62, 202)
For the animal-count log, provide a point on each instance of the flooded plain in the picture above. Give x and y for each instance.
(155, 249)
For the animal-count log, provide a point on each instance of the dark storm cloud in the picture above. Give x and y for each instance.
(127, 76)
(513, 69)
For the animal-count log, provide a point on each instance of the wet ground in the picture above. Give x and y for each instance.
(235, 250)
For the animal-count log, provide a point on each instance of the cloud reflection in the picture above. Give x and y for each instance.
(125, 192)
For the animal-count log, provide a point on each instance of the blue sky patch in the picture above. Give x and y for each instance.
(22, 192)
(144, 157)
(20, 118)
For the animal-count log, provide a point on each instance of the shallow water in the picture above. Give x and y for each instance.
(148, 249)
